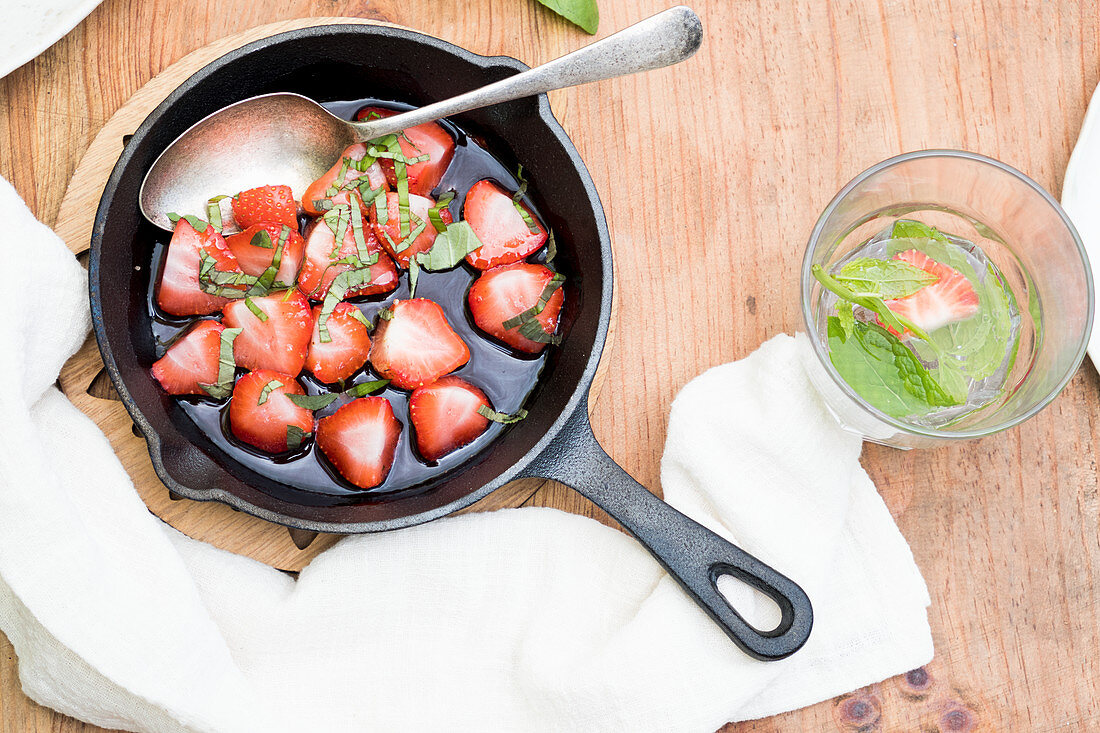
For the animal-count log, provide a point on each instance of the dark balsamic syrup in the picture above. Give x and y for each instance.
(507, 377)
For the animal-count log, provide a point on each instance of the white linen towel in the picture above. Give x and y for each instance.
(524, 619)
(1080, 199)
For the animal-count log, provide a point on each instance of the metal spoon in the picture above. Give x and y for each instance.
(290, 139)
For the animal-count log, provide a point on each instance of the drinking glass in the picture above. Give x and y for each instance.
(1018, 225)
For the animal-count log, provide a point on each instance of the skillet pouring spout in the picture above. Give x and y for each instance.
(692, 554)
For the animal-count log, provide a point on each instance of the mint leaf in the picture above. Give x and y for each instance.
(870, 302)
(887, 279)
(981, 343)
(910, 229)
(583, 13)
(846, 317)
(883, 371)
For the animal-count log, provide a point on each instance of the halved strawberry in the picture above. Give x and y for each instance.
(503, 293)
(389, 234)
(266, 426)
(254, 259)
(265, 205)
(428, 139)
(179, 292)
(445, 417)
(318, 190)
(348, 346)
(498, 224)
(949, 299)
(359, 439)
(323, 258)
(416, 345)
(278, 340)
(191, 361)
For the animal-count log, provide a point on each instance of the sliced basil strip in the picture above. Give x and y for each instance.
(501, 417)
(341, 284)
(227, 367)
(364, 389)
(294, 437)
(312, 401)
(196, 223)
(531, 313)
(266, 391)
(256, 310)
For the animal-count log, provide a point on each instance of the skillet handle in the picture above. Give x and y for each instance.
(691, 553)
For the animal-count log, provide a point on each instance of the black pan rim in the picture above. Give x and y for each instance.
(577, 400)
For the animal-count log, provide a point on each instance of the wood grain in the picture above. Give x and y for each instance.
(731, 157)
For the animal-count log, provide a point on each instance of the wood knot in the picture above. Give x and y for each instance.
(957, 718)
(860, 711)
(750, 303)
(916, 683)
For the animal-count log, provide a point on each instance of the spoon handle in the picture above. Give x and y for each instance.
(661, 40)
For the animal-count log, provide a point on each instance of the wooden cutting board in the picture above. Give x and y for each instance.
(84, 379)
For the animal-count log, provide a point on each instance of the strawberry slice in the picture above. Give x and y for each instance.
(498, 224)
(277, 340)
(445, 417)
(265, 205)
(416, 345)
(318, 190)
(505, 292)
(191, 361)
(254, 259)
(949, 299)
(359, 439)
(348, 346)
(389, 234)
(322, 258)
(179, 292)
(428, 139)
(267, 426)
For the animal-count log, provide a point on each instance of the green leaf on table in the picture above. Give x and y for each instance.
(883, 371)
(887, 279)
(583, 13)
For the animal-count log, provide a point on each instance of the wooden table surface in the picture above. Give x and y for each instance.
(728, 160)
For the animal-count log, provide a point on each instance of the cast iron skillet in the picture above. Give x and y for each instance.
(554, 442)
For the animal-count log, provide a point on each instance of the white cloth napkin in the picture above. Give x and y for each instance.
(524, 619)
(1081, 200)
(32, 26)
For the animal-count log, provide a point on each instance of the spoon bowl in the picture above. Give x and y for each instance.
(284, 137)
(292, 140)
